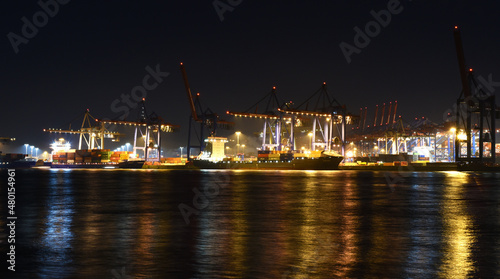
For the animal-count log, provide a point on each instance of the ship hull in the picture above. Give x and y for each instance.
(320, 163)
(84, 166)
(131, 164)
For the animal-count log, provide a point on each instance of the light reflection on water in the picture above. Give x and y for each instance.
(57, 234)
(273, 224)
(458, 236)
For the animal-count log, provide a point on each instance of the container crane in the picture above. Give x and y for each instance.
(148, 128)
(274, 122)
(208, 120)
(325, 112)
(92, 133)
(475, 116)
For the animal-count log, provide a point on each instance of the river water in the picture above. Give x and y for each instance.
(252, 224)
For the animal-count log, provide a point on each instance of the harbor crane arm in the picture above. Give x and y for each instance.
(461, 62)
(188, 91)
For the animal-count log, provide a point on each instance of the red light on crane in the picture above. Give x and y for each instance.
(197, 94)
(274, 87)
(456, 27)
(470, 69)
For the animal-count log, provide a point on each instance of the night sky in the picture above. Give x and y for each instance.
(90, 53)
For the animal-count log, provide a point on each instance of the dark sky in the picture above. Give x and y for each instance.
(91, 52)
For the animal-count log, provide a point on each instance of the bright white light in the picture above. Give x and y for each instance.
(462, 136)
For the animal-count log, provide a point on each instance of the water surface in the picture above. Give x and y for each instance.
(253, 224)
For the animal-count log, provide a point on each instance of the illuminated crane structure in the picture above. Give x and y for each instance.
(329, 119)
(475, 116)
(147, 135)
(208, 120)
(92, 133)
(277, 133)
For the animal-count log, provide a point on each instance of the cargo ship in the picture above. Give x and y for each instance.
(284, 161)
(213, 158)
(63, 157)
(94, 158)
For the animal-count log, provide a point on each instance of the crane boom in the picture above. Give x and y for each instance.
(461, 62)
(188, 91)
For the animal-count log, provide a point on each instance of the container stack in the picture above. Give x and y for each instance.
(88, 156)
(171, 160)
(274, 156)
(70, 158)
(105, 155)
(119, 156)
(263, 156)
(95, 155)
(62, 158)
(286, 156)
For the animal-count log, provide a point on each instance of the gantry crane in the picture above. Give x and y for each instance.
(148, 128)
(208, 120)
(475, 116)
(92, 133)
(276, 124)
(325, 112)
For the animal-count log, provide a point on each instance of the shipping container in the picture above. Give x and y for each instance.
(286, 156)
